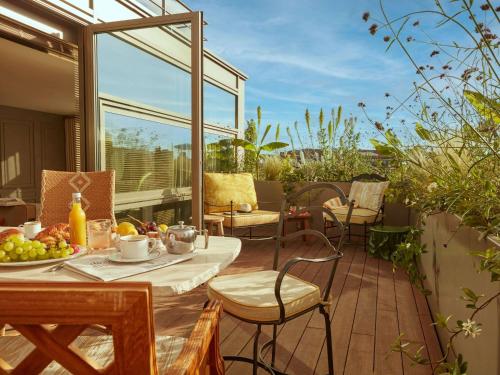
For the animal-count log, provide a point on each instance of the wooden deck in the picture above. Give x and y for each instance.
(371, 307)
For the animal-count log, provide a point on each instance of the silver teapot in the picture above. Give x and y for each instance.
(180, 239)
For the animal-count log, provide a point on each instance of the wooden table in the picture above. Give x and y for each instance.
(168, 281)
(302, 221)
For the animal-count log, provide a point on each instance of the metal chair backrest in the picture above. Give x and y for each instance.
(369, 177)
(97, 188)
(334, 251)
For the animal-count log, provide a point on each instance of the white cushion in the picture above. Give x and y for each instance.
(368, 195)
(251, 295)
(358, 215)
(14, 349)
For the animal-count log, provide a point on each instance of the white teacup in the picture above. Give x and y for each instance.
(31, 229)
(136, 246)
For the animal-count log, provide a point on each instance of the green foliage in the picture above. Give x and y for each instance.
(407, 255)
(255, 147)
(272, 167)
(332, 156)
(454, 160)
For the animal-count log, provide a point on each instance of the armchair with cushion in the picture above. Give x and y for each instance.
(367, 194)
(225, 193)
(273, 297)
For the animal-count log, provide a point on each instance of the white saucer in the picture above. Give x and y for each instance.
(117, 257)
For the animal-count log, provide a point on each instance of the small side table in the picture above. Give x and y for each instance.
(384, 240)
(302, 221)
(214, 221)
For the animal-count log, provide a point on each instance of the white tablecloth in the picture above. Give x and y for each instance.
(172, 280)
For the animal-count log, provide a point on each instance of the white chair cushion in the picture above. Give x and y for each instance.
(14, 349)
(251, 295)
(358, 215)
(369, 195)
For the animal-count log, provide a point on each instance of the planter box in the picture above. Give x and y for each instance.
(449, 267)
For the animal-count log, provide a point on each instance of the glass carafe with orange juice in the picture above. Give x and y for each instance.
(77, 221)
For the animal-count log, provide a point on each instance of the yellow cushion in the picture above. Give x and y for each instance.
(358, 216)
(222, 188)
(251, 295)
(256, 217)
(14, 349)
(368, 194)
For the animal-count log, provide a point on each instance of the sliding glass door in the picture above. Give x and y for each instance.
(144, 114)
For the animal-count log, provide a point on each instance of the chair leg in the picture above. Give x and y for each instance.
(329, 344)
(364, 236)
(273, 350)
(256, 349)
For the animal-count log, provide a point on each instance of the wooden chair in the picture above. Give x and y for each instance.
(124, 308)
(97, 188)
(274, 297)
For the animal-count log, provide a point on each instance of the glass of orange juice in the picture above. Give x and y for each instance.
(99, 234)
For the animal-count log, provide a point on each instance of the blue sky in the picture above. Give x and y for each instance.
(302, 54)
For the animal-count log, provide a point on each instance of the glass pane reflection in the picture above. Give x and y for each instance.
(147, 155)
(219, 153)
(219, 106)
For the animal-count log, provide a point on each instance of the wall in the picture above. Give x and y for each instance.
(449, 266)
(29, 142)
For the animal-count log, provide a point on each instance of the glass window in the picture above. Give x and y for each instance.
(220, 154)
(168, 213)
(147, 155)
(149, 80)
(219, 106)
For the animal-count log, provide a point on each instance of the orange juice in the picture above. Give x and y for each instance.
(77, 222)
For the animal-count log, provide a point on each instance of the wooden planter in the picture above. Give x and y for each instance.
(449, 267)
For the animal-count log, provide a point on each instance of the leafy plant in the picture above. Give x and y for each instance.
(256, 145)
(453, 161)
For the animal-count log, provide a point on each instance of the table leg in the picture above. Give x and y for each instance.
(307, 225)
(220, 229)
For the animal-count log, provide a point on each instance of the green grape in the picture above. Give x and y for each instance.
(8, 246)
(71, 250)
(14, 256)
(6, 259)
(27, 246)
(18, 241)
(65, 253)
(18, 250)
(36, 244)
(41, 251)
(23, 257)
(43, 256)
(62, 244)
(57, 254)
(32, 253)
(2, 254)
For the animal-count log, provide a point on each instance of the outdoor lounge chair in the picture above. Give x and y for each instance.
(226, 192)
(97, 188)
(125, 309)
(367, 193)
(273, 297)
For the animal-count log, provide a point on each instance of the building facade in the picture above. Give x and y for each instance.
(115, 84)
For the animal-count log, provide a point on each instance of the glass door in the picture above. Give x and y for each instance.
(144, 113)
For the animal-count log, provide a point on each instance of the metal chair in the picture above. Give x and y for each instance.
(360, 218)
(278, 297)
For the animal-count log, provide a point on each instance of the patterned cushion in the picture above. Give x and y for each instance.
(222, 188)
(368, 194)
(100, 348)
(251, 295)
(332, 203)
(256, 217)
